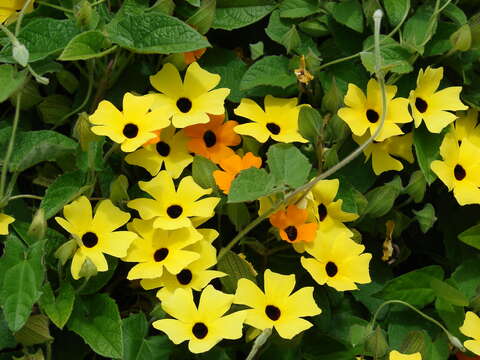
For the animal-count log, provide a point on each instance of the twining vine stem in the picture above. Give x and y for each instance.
(300, 192)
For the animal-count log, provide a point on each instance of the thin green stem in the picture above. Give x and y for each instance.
(451, 338)
(98, 2)
(303, 190)
(8, 155)
(10, 35)
(25, 196)
(61, 8)
(18, 24)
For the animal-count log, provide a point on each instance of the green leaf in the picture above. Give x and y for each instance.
(288, 165)
(88, 45)
(471, 236)
(448, 293)
(53, 109)
(229, 66)
(427, 149)
(238, 215)
(419, 28)
(6, 336)
(58, 308)
(395, 10)
(298, 8)
(310, 123)
(11, 81)
(136, 345)
(18, 294)
(395, 58)
(426, 217)
(465, 277)
(236, 268)
(43, 37)
(413, 287)
(97, 320)
(202, 170)
(154, 33)
(250, 185)
(348, 13)
(291, 39)
(234, 14)
(455, 13)
(256, 50)
(416, 186)
(33, 147)
(65, 189)
(451, 315)
(382, 198)
(271, 71)
(203, 18)
(14, 252)
(67, 80)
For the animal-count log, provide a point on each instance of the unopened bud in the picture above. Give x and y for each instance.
(38, 226)
(82, 132)
(88, 269)
(21, 54)
(66, 251)
(462, 38)
(83, 13)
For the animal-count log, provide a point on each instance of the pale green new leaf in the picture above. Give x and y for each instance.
(88, 45)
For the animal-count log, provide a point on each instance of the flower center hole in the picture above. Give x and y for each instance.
(459, 172)
(160, 254)
(130, 131)
(200, 330)
(184, 105)
(163, 149)
(272, 312)
(331, 269)
(421, 105)
(291, 232)
(184, 277)
(372, 116)
(322, 212)
(89, 239)
(174, 211)
(273, 128)
(209, 138)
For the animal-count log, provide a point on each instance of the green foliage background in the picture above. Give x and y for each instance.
(95, 50)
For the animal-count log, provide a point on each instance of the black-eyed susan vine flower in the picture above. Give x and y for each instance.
(460, 169)
(213, 139)
(188, 102)
(9, 10)
(156, 249)
(170, 208)
(95, 235)
(203, 326)
(232, 166)
(431, 106)
(466, 127)
(395, 355)
(277, 307)
(194, 276)
(384, 154)
(364, 112)
(279, 120)
(132, 127)
(5, 220)
(338, 262)
(471, 328)
(292, 224)
(171, 150)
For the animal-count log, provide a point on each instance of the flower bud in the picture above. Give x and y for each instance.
(38, 226)
(66, 251)
(82, 132)
(88, 269)
(20, 53)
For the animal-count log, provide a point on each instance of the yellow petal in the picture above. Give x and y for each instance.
(278, 286)
(181, 306)
(255, 130)
(251, 110)
(249, 294)
(147, 208)
(198, 81)
(466, 193)
(473, 346)
(448, 99)
(77, 263)
(176, 331)
(355, 119)
(213, 303)
(79, 214)
(355, 97)
(198, 346)
(168, 81)
(324, 191)
(5, 220)
(108, 217)
(301, 303)
(230, 326)
(471, 325)
(287, 329)
(117, 243)
(395, 355)
(146, 270)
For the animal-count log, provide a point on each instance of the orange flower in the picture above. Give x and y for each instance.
(155, 139)
(213, 139)
(232, 166)
(292, 226)
(192, 56)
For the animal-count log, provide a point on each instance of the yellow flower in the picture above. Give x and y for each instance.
(203, 327)
(95, 235)
(433, 106)
(188, 102)
(279, 120)
(194, 276)
(471, 328)
(5, 220)
(466, 127)
(277, 307)
(338, 262)
(171, 150)
(364, 112)
(395, 355)
(173, 209)
(9, 10)
(132, 127)
(155, 249)
(460, 169)
(381, 152)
